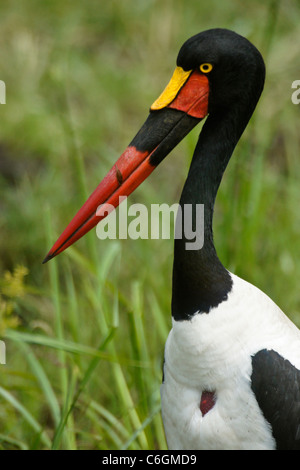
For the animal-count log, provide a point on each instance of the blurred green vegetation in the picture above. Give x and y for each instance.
(85, 333)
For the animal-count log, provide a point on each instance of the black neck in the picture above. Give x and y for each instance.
(200, 281)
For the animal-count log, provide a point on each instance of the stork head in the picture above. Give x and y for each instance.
(215, 70)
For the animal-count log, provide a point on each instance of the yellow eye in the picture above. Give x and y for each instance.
(206, 68)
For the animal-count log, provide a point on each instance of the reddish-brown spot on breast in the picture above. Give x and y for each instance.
(207, 402)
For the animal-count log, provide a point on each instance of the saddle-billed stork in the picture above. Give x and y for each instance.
(232, 359)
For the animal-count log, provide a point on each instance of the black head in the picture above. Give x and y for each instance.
(238, 71)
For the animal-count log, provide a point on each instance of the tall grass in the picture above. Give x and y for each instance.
(84, 360)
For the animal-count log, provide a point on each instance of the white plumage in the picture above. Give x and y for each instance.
(213, 352)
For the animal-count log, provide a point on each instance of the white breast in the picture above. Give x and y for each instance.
(212, 352)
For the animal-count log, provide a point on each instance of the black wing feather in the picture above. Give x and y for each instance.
(276, 384)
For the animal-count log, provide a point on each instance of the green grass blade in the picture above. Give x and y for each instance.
(43, 380)
(33, 423)
(13, 442)
(68, 346)
(145, 423)
(92, 366)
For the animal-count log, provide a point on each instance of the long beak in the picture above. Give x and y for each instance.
(172, 116)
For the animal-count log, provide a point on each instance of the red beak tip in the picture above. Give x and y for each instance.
(48, 257)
